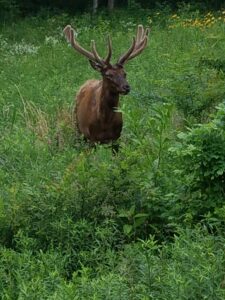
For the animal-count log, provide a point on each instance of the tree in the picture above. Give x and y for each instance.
(95, 6)
(111, 5)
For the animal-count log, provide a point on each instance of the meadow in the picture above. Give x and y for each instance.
(81, 223)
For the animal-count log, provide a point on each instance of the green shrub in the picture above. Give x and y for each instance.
(192, 267)
(202, 166)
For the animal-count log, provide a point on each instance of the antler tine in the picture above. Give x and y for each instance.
(109, 55)
(139, 43)
(69, 33)
(142, 42)
(124, 57)
(66, 31)
(147, 30)
(140, 49)
(96, 55)
(140, 33)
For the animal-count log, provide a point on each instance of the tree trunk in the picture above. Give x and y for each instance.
(95, 6)
(110, 5)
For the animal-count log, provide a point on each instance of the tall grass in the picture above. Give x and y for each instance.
(78, 223)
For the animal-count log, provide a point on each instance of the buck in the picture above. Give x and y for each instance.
(97, 101)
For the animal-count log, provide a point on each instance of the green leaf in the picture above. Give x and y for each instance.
(141, 215)
(139, 222)
(127, 229)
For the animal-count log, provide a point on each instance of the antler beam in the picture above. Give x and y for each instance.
(91, 55)
(138, 45)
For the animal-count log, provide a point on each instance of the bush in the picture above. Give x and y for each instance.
(190, 268)
(202, 166)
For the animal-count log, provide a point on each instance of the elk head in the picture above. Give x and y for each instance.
(114, 75)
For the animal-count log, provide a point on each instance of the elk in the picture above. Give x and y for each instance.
(97, 101)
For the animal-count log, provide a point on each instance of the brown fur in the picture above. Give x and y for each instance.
(96, 115)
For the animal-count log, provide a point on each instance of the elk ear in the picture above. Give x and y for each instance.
(96, 66)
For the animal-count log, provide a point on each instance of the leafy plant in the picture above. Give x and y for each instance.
(202, 160)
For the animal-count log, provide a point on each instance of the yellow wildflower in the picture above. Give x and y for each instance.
(207, 21)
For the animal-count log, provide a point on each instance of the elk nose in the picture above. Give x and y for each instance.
(127, 88)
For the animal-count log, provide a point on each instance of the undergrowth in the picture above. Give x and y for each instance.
(79, 223)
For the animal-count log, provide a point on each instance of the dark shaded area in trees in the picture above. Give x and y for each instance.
(210, 4)
(25, 7)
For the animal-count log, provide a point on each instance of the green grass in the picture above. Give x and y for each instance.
(77, 223)
(190, 268)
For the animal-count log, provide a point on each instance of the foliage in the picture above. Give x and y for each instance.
(202, 166)
(80, 223)
(190, 268)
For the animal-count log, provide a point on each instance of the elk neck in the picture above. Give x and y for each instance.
(109, 100)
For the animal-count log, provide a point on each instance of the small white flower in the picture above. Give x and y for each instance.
(50, 40)
(23, 48)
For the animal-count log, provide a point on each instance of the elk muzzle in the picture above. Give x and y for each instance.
(125, 89)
